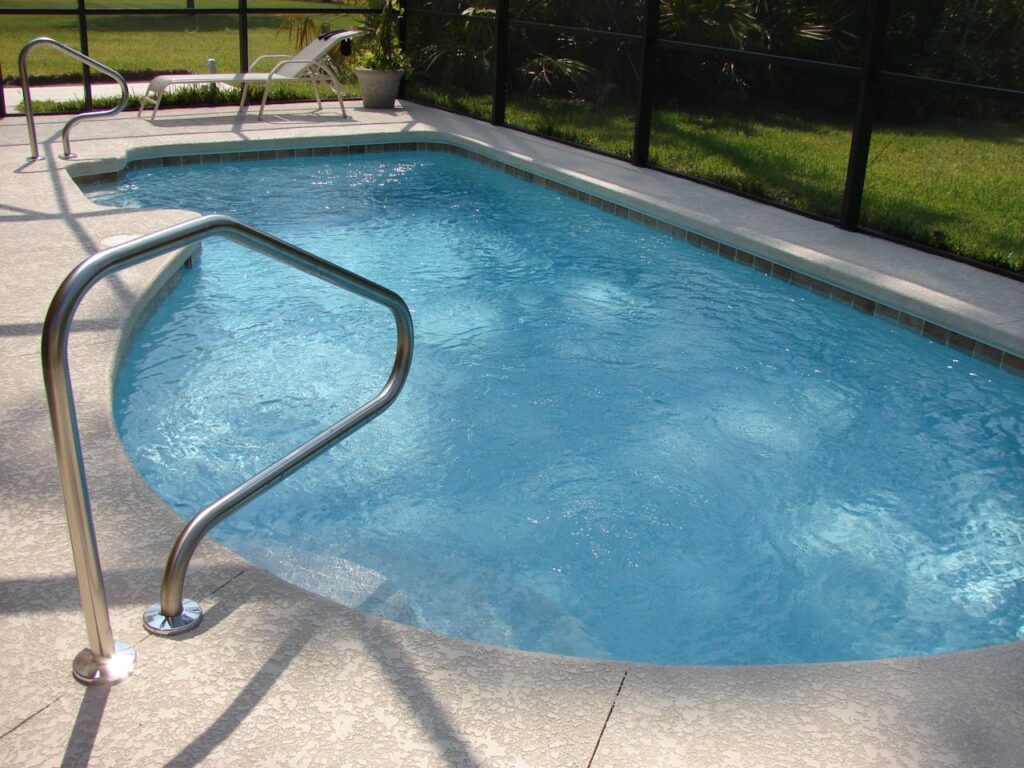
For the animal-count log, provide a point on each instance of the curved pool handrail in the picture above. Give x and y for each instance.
(106, 660)
(65, 134)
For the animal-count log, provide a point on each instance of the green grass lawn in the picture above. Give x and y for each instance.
(952, 185)
(146, 44)
(958, 187)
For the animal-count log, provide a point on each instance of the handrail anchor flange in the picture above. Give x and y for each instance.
(157, 623)
(91, 669)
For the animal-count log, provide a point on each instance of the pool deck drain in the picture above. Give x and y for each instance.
(276, 676)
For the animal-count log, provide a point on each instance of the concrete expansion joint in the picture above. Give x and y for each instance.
(28, 719)
(607, 718)
(226, 583)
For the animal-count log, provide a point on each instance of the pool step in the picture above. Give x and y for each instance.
(336, 579)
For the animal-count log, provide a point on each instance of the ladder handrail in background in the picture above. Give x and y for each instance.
(65, 135)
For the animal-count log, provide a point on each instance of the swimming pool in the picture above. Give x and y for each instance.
(611, 444)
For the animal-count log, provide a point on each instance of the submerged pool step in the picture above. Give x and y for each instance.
(370, 591)
(336, 579)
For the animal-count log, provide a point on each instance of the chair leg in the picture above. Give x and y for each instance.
(339, 91)
(150, 98)
(159, 98)
(142, 102)
(316, 91)
(263, 103)
(328, 75)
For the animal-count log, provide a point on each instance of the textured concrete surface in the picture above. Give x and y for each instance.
(276, 676)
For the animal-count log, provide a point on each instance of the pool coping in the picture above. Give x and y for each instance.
(229, 693)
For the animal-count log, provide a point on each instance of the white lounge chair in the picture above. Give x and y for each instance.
(312, 64)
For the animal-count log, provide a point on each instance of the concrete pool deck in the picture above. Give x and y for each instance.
(277, 676)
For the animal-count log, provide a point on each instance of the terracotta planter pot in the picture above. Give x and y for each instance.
(379, 87)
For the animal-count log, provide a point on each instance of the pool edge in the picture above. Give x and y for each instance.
(901, 302)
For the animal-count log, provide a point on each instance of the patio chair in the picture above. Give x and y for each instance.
(312, 64)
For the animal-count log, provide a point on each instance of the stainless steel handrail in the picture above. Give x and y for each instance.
(65, 135)
(106, 660)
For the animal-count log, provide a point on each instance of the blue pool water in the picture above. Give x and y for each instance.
(611, 444)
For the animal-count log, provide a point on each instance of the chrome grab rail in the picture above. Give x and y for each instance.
(65, 135)
(106, 660)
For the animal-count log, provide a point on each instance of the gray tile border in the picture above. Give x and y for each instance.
(989, 353)
(961, 343)
(887, 313)
(1013, 364)
(710, 245)
(782, 273)
(864, 304)
(842, 296)
(935, 332)
(911, 322)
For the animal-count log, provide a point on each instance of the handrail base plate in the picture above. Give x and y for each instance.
(156, 623)
(90, 669)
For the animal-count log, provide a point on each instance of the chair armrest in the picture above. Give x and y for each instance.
(258, 59)
(290, 60)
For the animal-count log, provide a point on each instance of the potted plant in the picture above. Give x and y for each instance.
(380, 64)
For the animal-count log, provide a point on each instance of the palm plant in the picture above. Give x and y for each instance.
(381, 48)
(301, 29)
(544, 72)
(727, 23)
(798, 27)
(461, 54)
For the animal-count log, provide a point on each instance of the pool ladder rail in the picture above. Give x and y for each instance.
(107, 660)
(65, 134)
